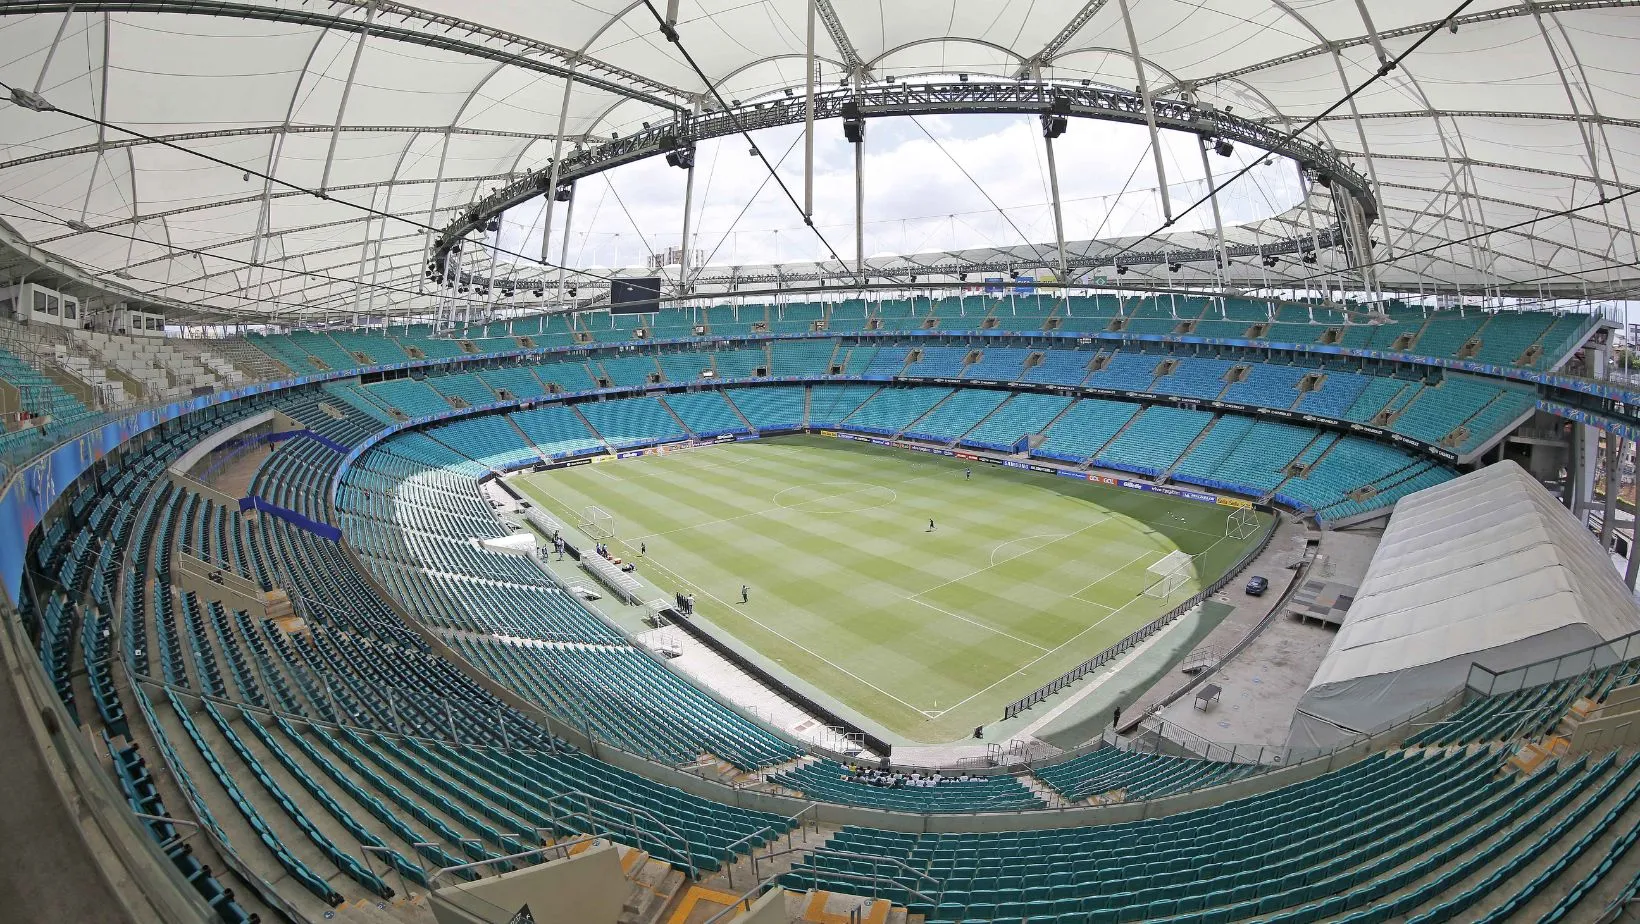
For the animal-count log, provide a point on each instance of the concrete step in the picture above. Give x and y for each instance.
(653, 887)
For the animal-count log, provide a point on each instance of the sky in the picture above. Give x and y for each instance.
(932, 183)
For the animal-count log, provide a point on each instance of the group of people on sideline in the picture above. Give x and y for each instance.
(888, 779)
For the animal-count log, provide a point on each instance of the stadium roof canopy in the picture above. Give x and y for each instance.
(1486, 568)
(1502, 118)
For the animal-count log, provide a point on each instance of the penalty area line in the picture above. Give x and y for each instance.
(1061, 646)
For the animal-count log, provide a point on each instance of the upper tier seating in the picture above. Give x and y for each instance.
(1528, 713)
(1535, 340)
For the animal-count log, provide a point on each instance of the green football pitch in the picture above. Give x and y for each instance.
(927, 632)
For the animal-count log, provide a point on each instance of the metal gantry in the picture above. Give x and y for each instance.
(904, 99)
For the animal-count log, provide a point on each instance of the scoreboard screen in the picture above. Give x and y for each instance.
(637, 295)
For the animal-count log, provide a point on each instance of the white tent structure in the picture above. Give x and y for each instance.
(378, 119)
(1487, 568)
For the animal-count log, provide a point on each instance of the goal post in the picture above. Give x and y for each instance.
(597, 523)
(1242, 523)
(1170, 574)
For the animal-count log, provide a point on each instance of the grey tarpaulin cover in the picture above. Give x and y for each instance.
(1489, 568)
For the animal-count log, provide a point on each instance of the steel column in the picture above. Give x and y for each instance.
(1058, 211)
(688, 207)
(563, 259)
(859, 213)
(808, 122)
(552, 174)
(1150, 111)
(1223, 270)
(347, 90)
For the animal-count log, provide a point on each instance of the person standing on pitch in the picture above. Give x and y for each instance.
(745, 593)
(930, 524)
(967, 474)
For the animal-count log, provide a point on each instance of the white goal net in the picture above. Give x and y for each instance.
(598, 523)
(1241, 524)
(1170, 574)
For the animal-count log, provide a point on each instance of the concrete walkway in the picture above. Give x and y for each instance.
(47, 873)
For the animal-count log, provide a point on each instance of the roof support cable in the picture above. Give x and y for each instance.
(44, 216)
(670, 30)
(294, 187)
(969, 177)
(1347, 99)
(1599, 203)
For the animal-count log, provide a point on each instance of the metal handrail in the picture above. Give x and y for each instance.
(688, 855)
(877, 881)
(368, 849)
(533, 851)
(874, 859)
(743, 899)
(729, 870)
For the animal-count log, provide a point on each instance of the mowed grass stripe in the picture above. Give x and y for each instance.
(1023, 577)
(868, 576)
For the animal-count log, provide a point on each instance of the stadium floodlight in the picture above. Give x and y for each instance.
(683, 158)
(854, 123)
(1057, 118)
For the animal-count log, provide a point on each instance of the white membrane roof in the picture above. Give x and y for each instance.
(1522, 111)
